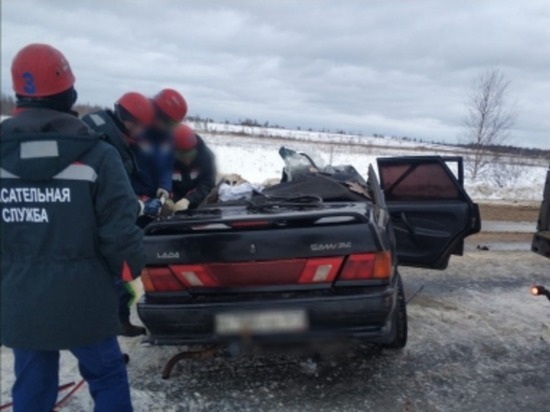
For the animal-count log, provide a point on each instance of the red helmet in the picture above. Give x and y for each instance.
(171, 104)
(137, 106)
(40, 70)
(184, 138)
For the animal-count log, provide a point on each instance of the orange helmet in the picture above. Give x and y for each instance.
(171, 104)
(40, 70)
(184, 138)
(135, 107)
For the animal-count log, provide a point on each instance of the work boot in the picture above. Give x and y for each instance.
(131, 331)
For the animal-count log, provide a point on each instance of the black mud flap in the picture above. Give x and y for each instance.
(541, 239)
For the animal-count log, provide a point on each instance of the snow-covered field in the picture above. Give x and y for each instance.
(478, 341)
(252, 152)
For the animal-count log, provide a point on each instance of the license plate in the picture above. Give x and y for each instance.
(231, 323)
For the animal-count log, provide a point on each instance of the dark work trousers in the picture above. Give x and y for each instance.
(101, 365)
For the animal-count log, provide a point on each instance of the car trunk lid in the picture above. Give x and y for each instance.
(231, 250)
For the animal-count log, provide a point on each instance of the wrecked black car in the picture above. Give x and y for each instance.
(315, 256)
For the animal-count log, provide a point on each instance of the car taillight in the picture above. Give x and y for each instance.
(194, 275)
(160, 279)
(264, 273)
(321, 270)
(382, 265)
(367, 266)
(358, 266)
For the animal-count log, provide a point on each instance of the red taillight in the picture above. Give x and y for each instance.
(321, 270)
(367, 266)
(160, 280)
(147, 282)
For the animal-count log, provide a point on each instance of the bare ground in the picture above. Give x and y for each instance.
(491, 237)
(509, 212)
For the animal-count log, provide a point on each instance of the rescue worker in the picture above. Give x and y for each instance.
(194, 174)
(171, 109)
(121, 128)
(154, 150)
(68, 228)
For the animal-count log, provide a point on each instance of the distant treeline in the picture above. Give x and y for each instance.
(8, 105)
(513, 150)
(241, 122)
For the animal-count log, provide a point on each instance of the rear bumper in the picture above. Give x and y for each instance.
(359, 315)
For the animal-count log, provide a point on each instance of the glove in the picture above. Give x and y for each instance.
(135, 289)
(181, 205)
(167, 208)
(152, 207)
(163, 193)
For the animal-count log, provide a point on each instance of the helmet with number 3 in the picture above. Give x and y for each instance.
(40, 70)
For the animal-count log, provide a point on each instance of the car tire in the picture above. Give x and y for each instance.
(399, 324)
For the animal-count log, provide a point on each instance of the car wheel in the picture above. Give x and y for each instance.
(399, 324)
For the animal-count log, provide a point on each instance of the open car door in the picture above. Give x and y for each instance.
(430, 211)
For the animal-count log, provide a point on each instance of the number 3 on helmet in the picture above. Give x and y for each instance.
(40, 70)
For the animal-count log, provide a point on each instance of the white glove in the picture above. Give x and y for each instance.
(181, 205)
(162, 194)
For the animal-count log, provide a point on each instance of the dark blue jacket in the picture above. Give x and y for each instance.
(106, 124)
(154, 157)
(196, 181)
(68, 228)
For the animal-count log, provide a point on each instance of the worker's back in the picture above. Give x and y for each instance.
(67, 227)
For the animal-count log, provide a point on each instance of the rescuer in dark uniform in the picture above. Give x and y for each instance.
(154, 151)
(122, 128)
(68, 228)
(194, 174)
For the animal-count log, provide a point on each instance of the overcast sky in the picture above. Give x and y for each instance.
(392, 67)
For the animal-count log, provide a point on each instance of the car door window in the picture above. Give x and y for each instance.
(420, 181)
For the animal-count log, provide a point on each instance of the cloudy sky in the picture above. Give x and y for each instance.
(392, 67)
